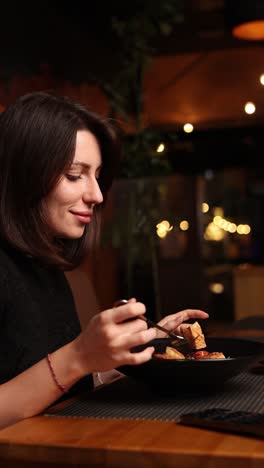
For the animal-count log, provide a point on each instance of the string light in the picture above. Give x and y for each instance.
(188, 128)
(216, 288)
(231, 227)
(184, 225)
(160, 148)
(250, 108)
(163, 228)
(214, 233)
(205, 207)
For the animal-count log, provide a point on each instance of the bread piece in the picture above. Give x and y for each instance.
(173, 353)
(160, 356)
(194, 336)
(216, 355)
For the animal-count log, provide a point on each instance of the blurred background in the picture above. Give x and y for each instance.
(184, 81)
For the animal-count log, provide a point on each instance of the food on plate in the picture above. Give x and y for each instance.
(216, 355)
(174, 353)
(196, 340)
(170, 353)
(195, 336)
(200, 355)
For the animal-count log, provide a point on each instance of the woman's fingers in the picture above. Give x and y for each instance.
(107, 341)
(124, 312)
(132, 299)
(128, 358)
(129, 341)
(174, 320)
(132, 326)
(140, 358)
(185, 315)
(120, 328)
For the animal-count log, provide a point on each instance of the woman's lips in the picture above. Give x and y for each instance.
(85, 218)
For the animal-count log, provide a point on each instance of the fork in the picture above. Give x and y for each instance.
(170, 333)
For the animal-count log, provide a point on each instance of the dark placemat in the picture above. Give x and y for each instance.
(127, 399)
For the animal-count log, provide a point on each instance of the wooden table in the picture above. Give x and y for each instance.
(60, 441)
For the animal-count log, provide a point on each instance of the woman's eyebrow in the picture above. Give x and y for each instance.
(80, 163)
(85, 165)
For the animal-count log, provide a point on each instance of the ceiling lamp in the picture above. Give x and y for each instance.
(247, 19)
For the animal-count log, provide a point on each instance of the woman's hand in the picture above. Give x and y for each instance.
(109, 336)
(175, 322)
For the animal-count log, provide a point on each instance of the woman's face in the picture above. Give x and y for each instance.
(69, 206)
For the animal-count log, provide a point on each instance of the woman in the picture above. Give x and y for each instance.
(57, 161)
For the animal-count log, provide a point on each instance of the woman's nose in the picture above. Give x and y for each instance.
(93, 193)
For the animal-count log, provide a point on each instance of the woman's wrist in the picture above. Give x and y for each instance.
(67, 366)
(58, 384)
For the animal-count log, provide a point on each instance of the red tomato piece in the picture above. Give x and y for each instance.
(200, 354)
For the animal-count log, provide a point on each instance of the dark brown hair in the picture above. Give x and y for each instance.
(37, 143)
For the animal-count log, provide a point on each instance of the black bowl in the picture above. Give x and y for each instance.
(191, 373)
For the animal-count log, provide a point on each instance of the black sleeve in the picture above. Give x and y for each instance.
(4, 301)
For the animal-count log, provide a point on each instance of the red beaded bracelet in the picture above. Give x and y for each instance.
(62, 387)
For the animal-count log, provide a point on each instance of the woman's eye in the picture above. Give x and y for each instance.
(72, 177)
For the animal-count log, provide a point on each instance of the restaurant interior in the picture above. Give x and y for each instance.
(183, 227)
(184, 82)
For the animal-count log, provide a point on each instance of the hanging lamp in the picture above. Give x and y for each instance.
(246, 18)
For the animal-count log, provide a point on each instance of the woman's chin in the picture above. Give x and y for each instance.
(74, 234)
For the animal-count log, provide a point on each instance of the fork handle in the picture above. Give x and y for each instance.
(159, 327)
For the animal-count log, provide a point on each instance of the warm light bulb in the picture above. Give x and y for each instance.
(232, 228)
(249, 29)
(161, 148)
(164, 223)
(216, 288)
(217, 219)
(261, 79)
(184, 225)
(205, 207)
(188, 128)
(250, 107)
(214, 233)
(246, 229)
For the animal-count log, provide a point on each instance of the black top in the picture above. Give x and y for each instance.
(37, 313)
